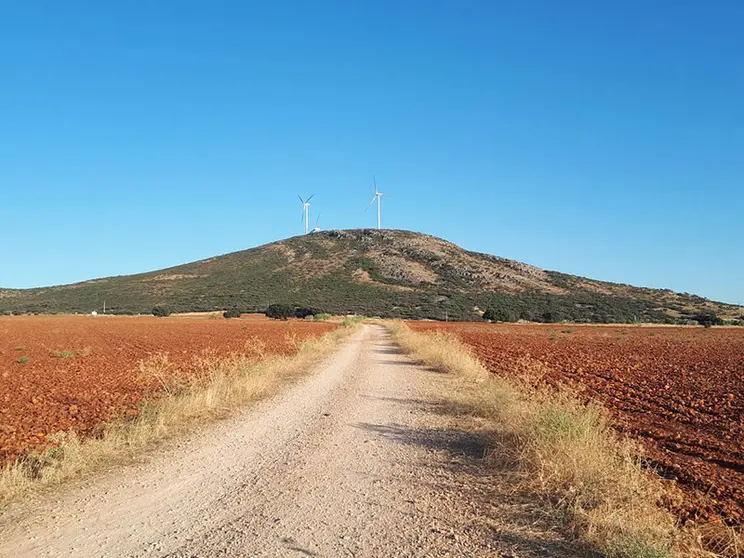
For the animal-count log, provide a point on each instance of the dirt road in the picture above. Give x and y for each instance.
(358, 459)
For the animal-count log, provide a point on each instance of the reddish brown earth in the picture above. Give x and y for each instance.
(83, 370)
(678, 390)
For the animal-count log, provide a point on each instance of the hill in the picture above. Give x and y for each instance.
(383, 273)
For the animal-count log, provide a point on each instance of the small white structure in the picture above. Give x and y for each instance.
(94, 313)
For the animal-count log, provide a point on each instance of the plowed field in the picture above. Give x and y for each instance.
(74, 372)
(678, 390)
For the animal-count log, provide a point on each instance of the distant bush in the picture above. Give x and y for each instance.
(322, 316)
(500, 315)
(309, 318)
(232, 313)
(160, 312)
(554, 315)
(707, 319)
(280, 311)
(303, 312)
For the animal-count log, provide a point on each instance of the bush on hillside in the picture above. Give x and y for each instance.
(160, 311)
(280, 311)
(232, 313)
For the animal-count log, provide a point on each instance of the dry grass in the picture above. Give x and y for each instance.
(223, 386)
(589, 477)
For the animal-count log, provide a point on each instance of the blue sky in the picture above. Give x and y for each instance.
(599, 138)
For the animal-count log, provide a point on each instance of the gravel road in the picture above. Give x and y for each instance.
(357, 459)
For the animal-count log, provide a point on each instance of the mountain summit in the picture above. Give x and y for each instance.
(386, 273)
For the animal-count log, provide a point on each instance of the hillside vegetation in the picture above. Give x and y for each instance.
(384, 273)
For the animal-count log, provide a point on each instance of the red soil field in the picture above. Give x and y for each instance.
(680, 391)
(73, 372)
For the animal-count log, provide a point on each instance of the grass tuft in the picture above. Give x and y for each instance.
(353, 320)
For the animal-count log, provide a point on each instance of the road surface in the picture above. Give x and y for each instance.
(358, 459)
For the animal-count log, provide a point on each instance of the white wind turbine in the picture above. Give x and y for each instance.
(306, 212)
(377, 198)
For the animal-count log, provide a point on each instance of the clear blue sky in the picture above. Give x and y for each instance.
(599, 138)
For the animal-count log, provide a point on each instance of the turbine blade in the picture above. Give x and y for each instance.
(308, 199)
(301, 200)
(373, 200)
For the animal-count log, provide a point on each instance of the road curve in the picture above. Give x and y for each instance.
(356, 459)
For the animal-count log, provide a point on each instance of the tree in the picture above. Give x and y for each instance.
(707, 319)
(160, 311)
(303, 312)
(553, 316)
(500, 314)
(232, 313)
(280, 311)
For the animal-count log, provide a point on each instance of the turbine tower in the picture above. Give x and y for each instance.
(306, 212)
(377, 197)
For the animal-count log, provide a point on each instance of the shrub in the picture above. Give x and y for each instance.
(322, 316)
(500, 315)
(553, 316)
(707, 319)
(303, 312)
(232, 313)
(160, 312)
(280, 311)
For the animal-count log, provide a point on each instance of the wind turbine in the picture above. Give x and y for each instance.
(377, 197)
(317, 228)
(306, 212)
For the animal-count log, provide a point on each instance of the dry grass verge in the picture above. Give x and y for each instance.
(223, 386)
(589, 477)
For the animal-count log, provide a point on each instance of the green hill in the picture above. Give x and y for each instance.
(382, 273)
